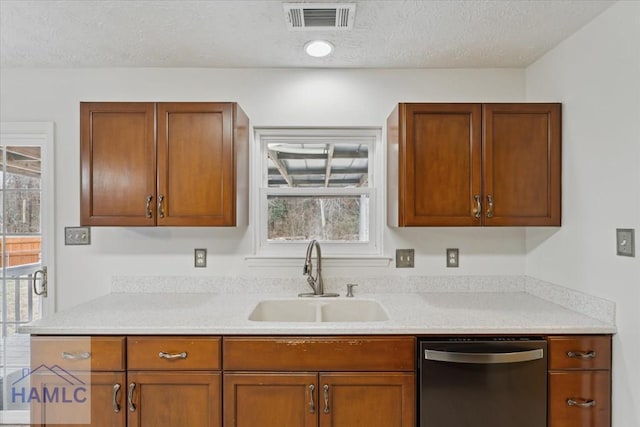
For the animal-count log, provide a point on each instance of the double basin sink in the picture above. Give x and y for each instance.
(318, 310)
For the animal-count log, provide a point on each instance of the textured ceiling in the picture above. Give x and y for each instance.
(242, 33)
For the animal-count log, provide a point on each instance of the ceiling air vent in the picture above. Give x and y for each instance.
(319, 16)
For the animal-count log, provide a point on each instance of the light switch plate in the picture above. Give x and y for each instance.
(404, 258)
(77, 236)
(200, 258)
(453, 258)
(625, 242)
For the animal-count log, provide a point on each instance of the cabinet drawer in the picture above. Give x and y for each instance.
(78, 353)
(173, 353)
(580, 399)
(319, 354)
(580, 352)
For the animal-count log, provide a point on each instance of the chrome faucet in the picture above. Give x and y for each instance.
(316, 282)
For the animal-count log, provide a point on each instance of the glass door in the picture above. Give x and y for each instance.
(25, 216)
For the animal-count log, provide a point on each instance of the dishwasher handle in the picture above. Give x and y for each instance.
(484, 358)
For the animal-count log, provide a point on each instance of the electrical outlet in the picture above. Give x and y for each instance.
(625, 241)
(404, 258)
(453, 257)
(200, 258)
(77, 236)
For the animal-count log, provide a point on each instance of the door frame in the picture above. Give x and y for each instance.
(43, 133)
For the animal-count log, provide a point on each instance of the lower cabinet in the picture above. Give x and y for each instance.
(579, 381)
(76, 381)
(340, 381)
(319, 381)
(336, 399)
(173, 381)
(173, 399)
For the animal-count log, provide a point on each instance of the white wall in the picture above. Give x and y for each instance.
(596, 74)
(308, 97)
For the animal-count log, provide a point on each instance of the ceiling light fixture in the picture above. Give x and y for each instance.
(318, 48)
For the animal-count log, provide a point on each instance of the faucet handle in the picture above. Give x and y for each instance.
(350, 289)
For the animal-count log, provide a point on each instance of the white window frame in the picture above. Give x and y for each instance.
(362, 135)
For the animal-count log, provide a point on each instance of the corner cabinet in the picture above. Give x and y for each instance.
(163, 164)
(474, 164)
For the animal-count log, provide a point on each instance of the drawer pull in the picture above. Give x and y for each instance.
(132, 406)
(116, 404)
(581, 354)
(76, 356)
(583, 403)
(312, 402)
(326, 398)
(172, 356)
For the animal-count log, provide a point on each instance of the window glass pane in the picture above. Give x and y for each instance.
(314, 165)
(22, 166)
(335, 218)
(22, 212)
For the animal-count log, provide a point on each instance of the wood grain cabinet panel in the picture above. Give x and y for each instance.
(270, 399)
(473, 164)
(173, 353)
(174, 399)
(367, 399)
(78, 381)
(580, 381)
(165, 164)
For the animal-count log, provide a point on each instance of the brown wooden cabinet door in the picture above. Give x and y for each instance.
(367, 399)
(522, 164)
(118, 163)
(106, 401)
(437, 148)
(195, 164)
(579, 399)
(270, 400)
(174, 399)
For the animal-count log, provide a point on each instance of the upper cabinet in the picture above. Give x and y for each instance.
(165, 164)
(474, 164)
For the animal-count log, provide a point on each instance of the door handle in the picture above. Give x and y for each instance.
(483, 358)
(477, 212)
(43, 282)
(115, 402)
(132, 406)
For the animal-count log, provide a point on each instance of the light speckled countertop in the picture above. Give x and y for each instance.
(512, 310)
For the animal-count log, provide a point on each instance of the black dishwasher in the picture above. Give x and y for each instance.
(484, 382)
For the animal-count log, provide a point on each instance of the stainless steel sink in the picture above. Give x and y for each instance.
(303, 310)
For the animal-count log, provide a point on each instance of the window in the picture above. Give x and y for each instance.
(318, 184)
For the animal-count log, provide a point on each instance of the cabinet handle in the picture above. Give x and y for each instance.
(583, 403)
(116, 403)
(312, 403)
(76, 356)
(490, 208)
(132, 406)
(326, 398)
(148, 206)
(581, 354)
(160, 206)
(477, 212)
(171, 356)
